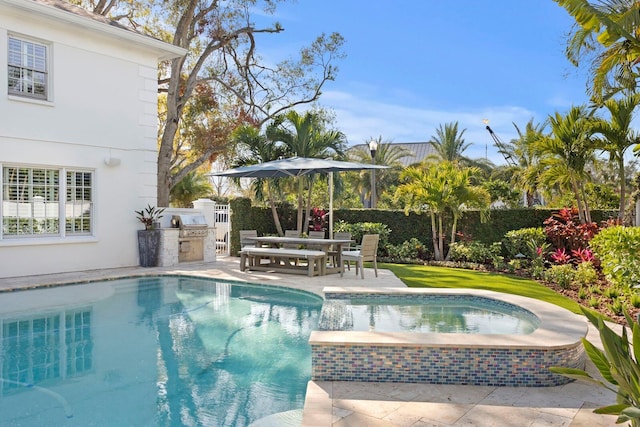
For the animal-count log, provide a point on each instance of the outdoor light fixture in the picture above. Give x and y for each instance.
(373, 147)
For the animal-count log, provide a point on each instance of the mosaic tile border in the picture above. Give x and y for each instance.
(444, 365)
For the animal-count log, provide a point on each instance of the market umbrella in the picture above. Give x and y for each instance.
(298, 166)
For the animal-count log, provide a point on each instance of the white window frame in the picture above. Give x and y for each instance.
(75, 215)
(29, 64)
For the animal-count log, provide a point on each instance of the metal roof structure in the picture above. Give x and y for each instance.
(420, 151)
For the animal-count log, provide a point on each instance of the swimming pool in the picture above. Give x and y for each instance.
(154, 351)
(400, 354)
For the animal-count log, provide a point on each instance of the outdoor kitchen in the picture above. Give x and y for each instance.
(188, 235)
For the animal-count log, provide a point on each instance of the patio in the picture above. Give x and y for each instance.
(341, 404)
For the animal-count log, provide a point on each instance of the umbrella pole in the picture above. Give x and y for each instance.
(331, 205)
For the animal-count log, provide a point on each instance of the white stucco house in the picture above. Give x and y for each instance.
(78, 137)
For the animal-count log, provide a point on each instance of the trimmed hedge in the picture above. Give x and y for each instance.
(403, 227)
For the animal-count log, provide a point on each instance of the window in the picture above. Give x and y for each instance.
(32, 206)
(27, 68)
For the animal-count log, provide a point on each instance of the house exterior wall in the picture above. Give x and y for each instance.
(103, 104)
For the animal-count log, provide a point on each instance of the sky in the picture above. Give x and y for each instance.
(414, 65)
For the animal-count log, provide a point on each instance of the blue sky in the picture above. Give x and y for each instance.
(412, 65)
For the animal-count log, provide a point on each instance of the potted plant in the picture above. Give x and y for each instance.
(149, 238)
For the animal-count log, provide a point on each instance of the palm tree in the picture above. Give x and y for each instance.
(255, 147)
(618, 136)
(387, 154)
(607, 35)
(441, 188)
(566, 153)
(305, 136)
(449, 144)
(525, 173)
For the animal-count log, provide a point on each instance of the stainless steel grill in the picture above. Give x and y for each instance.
(193, 230)
(191, 225)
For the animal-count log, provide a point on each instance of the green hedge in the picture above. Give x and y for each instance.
(403, 227)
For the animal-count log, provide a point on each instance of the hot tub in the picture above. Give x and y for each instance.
(495, 353)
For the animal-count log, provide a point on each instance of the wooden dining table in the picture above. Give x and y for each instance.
(331, 247)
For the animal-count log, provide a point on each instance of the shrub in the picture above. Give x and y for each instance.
(413, 249)
(458, 251)
(618, 249)
(562, 275)
(564, 231)
(593, 302)
(517, 241)
(585, 274)
(476, 252)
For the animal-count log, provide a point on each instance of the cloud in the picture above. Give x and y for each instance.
(361, 119)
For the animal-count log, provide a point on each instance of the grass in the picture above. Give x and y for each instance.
(424, 276)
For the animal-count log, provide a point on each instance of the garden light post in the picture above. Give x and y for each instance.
(373, 147)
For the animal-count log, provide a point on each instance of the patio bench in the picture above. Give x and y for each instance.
(280, 260)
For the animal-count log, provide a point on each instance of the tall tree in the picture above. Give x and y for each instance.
(607, 38)
(305, 136)
(617, 136)
(223, 68)
(566, 153)
(254, 147)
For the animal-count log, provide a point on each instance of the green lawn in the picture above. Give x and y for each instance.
(423, 276)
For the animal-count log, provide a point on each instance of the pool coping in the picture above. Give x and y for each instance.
(559, 328)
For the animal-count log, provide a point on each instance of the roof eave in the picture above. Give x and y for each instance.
(165, 51)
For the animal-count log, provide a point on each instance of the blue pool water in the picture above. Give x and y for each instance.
(161, 351)
(425, 314)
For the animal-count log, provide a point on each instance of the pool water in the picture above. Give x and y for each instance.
(160, 351)
(432, 314)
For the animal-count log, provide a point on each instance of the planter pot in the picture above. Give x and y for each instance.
(149, 247)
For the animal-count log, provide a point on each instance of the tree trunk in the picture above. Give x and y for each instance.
(440, 237)
(529, 196)
(274, 212)
(454, 226)
(585, 203)
(576, 192)
(623, 190)
(434, 237)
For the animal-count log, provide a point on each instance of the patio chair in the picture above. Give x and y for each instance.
(344, 235)
(367, 252)
(315, 235)
(291, 233)
(247, 233)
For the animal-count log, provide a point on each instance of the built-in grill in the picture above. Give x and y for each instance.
(193, 230)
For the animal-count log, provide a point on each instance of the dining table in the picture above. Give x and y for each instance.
(331, 247)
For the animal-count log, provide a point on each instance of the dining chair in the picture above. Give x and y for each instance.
(340, 235)
(316, 235)
(243, 237)
(367, 252)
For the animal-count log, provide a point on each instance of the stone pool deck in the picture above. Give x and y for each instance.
(353, 404)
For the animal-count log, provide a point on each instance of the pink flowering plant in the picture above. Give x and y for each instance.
(318, 218)
(560, 256)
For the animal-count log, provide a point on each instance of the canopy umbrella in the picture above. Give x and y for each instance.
(295, 167)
